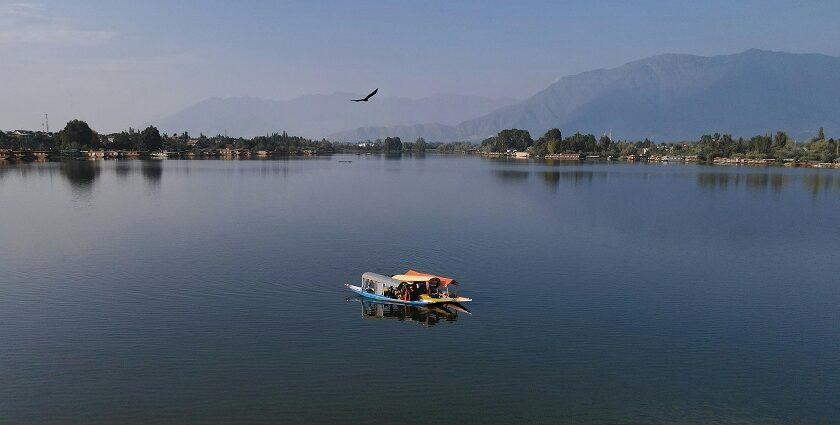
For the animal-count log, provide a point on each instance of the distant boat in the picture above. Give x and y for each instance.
(160, 154)
(411, 288)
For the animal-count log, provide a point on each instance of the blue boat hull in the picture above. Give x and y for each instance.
(359, 291)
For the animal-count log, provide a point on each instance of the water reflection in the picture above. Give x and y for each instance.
(814, 183)
(513, 176)
(425, 315)
(753, 181)
(819, 182)
(123, 168)
(80, 174)
(553, 178)
(152, 171)
(774, 182)
(713, 180)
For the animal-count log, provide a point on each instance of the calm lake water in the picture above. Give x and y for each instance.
(212, 292)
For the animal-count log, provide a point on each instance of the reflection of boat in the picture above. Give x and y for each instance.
(426, 315)
(411, 288)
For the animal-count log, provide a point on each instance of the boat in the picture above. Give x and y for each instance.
(411, 288)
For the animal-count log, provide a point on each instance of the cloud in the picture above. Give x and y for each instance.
(29, 23)
(54, 35)
(27, 10)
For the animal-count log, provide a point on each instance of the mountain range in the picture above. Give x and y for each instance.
(316, 116)
(667, 97)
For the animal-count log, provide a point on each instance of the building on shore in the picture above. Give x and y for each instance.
(565, 156)
(97, 154)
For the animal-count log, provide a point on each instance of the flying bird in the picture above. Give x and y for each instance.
(366, 97)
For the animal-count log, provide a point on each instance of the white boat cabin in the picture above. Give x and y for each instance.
(377, 284)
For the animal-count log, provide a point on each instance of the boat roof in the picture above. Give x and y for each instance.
(380, 278)
(444, 281)
(412, 278)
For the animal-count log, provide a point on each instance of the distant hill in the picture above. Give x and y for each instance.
(316, 116)
(666, 97)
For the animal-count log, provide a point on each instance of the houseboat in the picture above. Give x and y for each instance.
(411, 288)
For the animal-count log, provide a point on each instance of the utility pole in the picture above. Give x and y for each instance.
(47, 122)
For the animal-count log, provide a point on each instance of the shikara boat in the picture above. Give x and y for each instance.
(411, 288)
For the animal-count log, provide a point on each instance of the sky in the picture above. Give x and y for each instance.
(119, 63)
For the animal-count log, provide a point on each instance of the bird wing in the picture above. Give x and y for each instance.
(371, 94)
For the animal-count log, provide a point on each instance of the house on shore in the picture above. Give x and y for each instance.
(97, 154)
(565, 156)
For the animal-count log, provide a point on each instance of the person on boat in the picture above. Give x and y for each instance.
(412, 291)
(406, 294)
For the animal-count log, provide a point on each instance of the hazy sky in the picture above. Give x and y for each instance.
(124, 63)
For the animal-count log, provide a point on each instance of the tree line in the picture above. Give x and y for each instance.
(778, 146)
(77, 135)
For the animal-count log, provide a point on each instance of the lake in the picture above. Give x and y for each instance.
(211, 291)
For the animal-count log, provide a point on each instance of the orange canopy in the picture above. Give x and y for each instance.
(444, 281)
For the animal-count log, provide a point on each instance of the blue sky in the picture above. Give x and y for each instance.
(121, 63)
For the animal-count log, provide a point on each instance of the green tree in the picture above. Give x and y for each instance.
(759, 146)
(580, 143)
(555, 146)
(122, 141)
(780, 140)
(420, 145)
(150, 139)
(604, 144)
(726, 145)
(77, 134)
(820, 150)
(551, 137)
(628, 149)
(707, 148)
(393, 144)
(821, 134)
(510, 139)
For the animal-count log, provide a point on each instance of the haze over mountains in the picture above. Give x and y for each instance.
(316, 116)
(665, 98)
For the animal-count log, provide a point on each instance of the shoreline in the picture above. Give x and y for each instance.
(9, 156)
